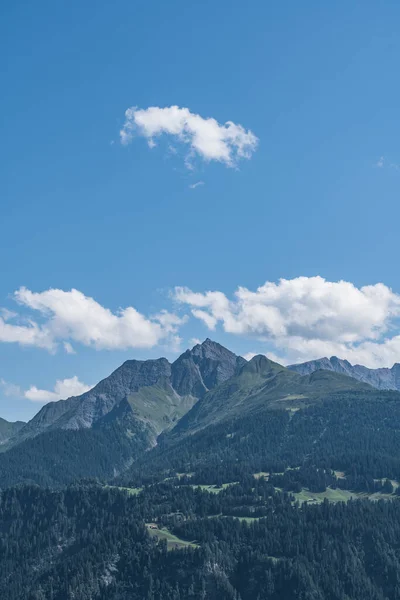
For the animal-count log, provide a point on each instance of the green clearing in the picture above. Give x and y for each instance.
(318, 497)
(214, 489)
(338, 496)
(173, 542)
(129, 490)
(261, 474)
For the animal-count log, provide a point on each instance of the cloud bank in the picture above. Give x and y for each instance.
(307, 317)
(227, 143)
(291, 320)
(70, 316)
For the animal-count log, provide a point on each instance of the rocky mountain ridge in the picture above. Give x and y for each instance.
(158, 392)
(381, 379)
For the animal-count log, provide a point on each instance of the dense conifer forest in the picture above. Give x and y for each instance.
(90, 542)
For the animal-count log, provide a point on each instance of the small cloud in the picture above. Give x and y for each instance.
(194, 342)
(380, 162)
(193, 186)
(63, 389)
(227, 143)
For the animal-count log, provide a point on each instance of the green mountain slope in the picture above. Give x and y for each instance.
(262, 385)
(269, 419)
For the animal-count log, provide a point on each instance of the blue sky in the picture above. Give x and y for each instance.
(316, 196)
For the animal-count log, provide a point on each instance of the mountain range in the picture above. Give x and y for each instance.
(101, 432)
(381, 379)
(149, 404)
(156, 392)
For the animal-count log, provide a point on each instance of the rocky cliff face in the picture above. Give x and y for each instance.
(382, 379)
(204, 367)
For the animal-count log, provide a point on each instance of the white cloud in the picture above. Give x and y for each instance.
(194, 342)
(380, 162)
(70, 316)
(193, 186)
(308, 317)
(63, 389)
(227, 143)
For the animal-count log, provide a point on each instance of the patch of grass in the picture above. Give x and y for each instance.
(214, 489)
(173, 542)
(261, 474)
(129, 490)
(318, 497)
(338, 496)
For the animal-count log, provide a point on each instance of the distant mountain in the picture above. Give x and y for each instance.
(382, 379)
(7, 429)
(102, 431)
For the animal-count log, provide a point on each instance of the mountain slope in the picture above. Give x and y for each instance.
(60, 456)
(262, 385)
(268, 418)
(382, 379)
(8, 429)
(90, 542)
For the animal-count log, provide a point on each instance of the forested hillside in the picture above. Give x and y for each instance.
(92, 543)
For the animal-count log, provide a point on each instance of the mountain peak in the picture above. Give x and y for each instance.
(203, 367)
(261, 364)
(211, 349)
